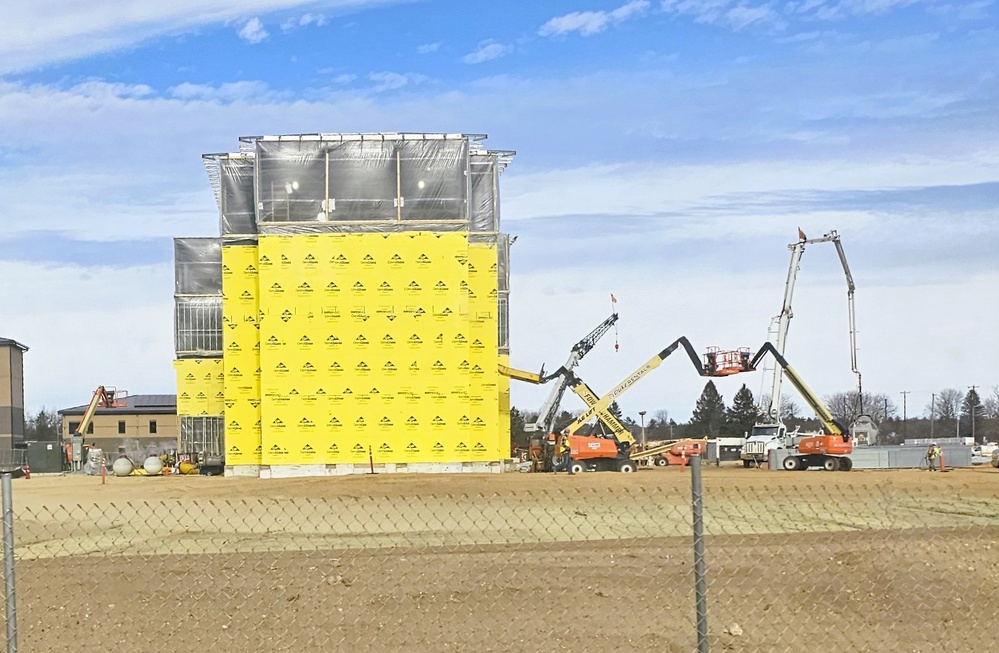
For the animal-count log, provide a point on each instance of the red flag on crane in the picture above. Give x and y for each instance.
(801, 234)
(613, 299)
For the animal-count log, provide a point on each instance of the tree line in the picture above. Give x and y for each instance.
(950, 413)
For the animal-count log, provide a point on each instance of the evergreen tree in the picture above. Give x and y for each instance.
(44, 425)
(709, 414)
(518, 437)
(972, 413)
(743, 413)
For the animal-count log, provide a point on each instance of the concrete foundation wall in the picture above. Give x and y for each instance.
(899, 457)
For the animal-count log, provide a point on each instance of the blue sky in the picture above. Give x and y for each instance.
(667, 153)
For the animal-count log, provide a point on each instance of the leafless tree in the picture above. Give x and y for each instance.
(788, 409)
(846, 406)
(946, 406)
(991, 404)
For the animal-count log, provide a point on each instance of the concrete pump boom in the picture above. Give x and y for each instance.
(784, 318)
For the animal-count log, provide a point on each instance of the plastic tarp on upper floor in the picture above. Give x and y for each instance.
(377, 182)
(197, 266)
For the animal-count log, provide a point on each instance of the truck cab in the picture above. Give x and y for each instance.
(761, 440)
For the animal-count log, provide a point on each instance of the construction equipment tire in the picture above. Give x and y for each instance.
(661, 461)
(845, 464)
(577, 467)
(626, 466)
(831, 464)
(791, 463)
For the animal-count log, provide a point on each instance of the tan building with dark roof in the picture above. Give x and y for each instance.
(144, 425)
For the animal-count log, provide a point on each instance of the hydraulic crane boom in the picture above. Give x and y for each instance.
(102, 398)
(717, 364)
(590, 398)
(831, 424)
(548, 412)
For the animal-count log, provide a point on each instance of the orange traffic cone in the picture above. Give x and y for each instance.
(943, 468)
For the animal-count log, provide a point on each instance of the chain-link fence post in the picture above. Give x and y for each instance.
(8, 560)
(700, 585)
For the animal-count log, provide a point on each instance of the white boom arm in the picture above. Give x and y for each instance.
(784, 319)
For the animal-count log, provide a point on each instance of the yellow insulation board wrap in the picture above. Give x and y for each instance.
(241, 354)
(200, 387)
(380, 344)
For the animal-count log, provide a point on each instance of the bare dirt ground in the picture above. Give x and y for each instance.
(514, 562)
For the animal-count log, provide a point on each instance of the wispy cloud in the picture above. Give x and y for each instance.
(733, 14)
(43, 32)
(588, 23)
(229, 92)
(389, 81)
(253, 31)
(427, 48)
(305, 20)
(487, 51)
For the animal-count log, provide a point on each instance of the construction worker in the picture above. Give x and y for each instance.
(933, 457)
(566, 452)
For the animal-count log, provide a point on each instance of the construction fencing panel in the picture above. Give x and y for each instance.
(596, 562)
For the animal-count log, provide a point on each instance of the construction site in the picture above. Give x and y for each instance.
(351, 320)
(352, 316)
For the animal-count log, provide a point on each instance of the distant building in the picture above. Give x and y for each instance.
(146, 424)
(11, 393)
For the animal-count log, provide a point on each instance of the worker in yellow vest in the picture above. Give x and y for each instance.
(566, 452)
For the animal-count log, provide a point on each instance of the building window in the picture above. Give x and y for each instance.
(121, 427)
(90, 428)
(152, 426)
(73, 427)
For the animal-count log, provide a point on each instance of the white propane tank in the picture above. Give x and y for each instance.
(153, 465)
(122, 467)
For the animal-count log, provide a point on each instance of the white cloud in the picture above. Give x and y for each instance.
(304, 21)
(229, 92)
(588, 23)
(253, 31)
(388, 81)
(734, 14)
(742, 16)
(487, 51)
(43, 32)
(720, 189)
(427, 48)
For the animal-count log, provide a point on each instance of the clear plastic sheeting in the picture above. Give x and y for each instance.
(433, 180)
(203, 436)
(279, 229)
(363, 181)
(236, 206)
(503, 262)
(198, 326)
(503, 313)
(290, 181)
(197, 266)
(483, 173)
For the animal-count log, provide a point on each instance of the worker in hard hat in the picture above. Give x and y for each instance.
(933, 457)
(566, 452)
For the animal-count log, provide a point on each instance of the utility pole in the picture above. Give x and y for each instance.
(904, 425)
(641, 414)
(933, 412)
(972, 408)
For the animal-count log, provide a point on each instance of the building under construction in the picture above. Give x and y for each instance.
(353, 311)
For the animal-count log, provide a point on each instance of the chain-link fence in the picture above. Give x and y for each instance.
(579, 565)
